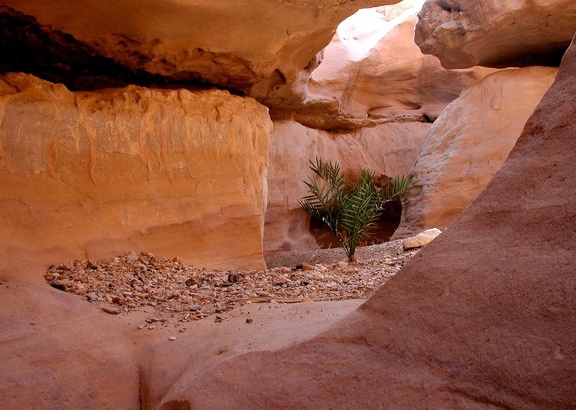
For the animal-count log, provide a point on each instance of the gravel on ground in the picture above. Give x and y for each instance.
(172, 290)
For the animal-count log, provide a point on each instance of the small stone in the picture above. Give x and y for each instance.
(307, 266)
(92, 297)
(249, 320)
(422, 239)
(173, 294)
(133, 256)
(172, 338)
(112, 311)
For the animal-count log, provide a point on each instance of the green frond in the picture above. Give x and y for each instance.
(349, 212)
(396, 188)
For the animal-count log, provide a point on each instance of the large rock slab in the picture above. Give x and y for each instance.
(174, 173)
(372, 72)
(515, 33)
(482, 317)
(468, 144)
(59, 352)
(388, 149)
(264, 48)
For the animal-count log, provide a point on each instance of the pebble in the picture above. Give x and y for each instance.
(172, 338)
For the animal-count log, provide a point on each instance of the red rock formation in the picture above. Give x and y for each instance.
(468, 144)
(175, 173)
(514, 33)
(483, 316)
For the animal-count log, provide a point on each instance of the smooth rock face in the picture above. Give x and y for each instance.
(264, 48)
(93, 175)
(388, 149)
(468, 144)
(372, 72)
(514, 33)
(58, 352)
(482, 317)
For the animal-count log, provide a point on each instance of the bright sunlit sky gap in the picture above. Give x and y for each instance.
(361, 32)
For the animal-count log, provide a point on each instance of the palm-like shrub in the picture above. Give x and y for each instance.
(349, 211)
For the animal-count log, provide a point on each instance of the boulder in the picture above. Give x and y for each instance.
(57, 351)
(263, 48)
(468, 144)
(482, 317)
(372, 72)
(420, 240)
(515, 33)
(388, 149)
(95, 174)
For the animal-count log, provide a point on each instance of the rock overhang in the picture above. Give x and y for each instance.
(264, 49)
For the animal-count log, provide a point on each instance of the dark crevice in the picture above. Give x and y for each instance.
(548, 56)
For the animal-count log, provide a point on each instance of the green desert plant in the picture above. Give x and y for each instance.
(348, 210)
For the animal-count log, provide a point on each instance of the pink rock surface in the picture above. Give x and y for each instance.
(93, 175)
(482, 317)
(468, 144)
(372, 72)
(514, 33)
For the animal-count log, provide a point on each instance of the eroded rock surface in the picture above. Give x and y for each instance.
(482, 317)
(468, 144)
(175, 173)
(262, 48)
(515, 33)
(372, 72)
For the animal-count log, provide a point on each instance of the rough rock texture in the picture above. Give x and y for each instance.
(388, 149)
(372, 73)
(468, 144)
(264, 48)
(466, 33)
(482, 317)
(92, 175)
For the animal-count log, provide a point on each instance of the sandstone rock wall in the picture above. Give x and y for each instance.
(175, 173)
(468, 144)
(515, 33)
(388, 149)
(373, 72)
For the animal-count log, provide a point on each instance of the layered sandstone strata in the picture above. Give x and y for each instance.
(176, 173)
